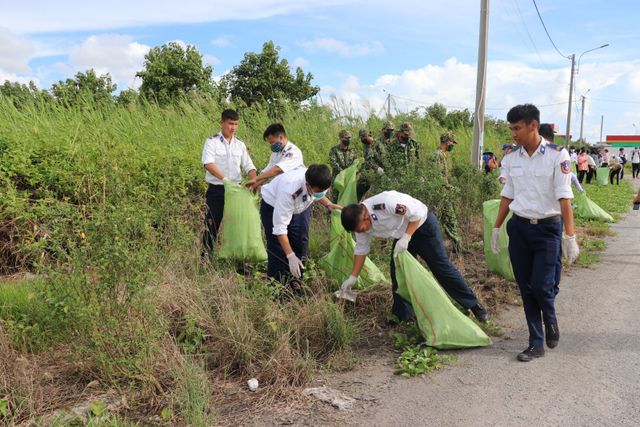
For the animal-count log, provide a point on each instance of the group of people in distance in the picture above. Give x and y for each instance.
(537, 190)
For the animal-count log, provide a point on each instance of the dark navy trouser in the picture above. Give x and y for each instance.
(427, 243)
(298, 234)
(535, 251)
(213, 216)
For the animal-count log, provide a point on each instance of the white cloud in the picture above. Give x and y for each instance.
(508, 83)
(331, 45)
(210, 59)
(115, 54)
(300, 62)
(222, 41)
(77, 15)
(14, 53)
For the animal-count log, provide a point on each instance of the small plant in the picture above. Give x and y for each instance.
(417, 360)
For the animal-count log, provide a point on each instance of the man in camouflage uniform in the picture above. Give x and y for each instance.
(341, 156)
(447, 211)
(373, 162)
(403, 149)
(386, 133)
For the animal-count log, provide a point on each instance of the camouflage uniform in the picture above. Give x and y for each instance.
(447, 212)
(341, 157)
(373, 164)
(402, 152)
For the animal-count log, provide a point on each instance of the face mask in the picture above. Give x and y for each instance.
(346, 142)
(387, 133)
(450, 147)
(319, 196)
(365, 141)
(276, 147)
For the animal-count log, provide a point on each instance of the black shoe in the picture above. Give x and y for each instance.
(531, 353)
(552, 334)
(480, 313)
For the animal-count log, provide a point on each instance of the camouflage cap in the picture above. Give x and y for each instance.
(406, 128)
(388, 125)
(344, 134)
(448, 136)
(364, 132)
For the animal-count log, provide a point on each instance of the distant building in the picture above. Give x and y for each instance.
(623, 140)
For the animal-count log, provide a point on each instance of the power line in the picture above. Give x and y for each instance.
(524, 23)
(546, 31)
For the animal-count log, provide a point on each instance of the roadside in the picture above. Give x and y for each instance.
(591, 378)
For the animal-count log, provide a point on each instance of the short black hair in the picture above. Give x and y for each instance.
(274, 129)
(318, 176)
(229, 114)
(525, 112)
(351, 215)
(546, 131)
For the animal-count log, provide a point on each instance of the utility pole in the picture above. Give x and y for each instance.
(481, 82)
(601, 126)
(573, 67)
(582, 118)
(388, 106)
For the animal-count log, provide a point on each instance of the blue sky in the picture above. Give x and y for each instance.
(420, 52)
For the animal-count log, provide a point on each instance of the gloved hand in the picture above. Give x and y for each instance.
(225, 179)
(348, 284)
(295, 265)
(495, 235)
(402, 244)
(570, 248)
(380, 171)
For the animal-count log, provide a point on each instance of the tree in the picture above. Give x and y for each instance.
(263, 78)
(23, 94)
(85, 86)
(437, 112)
(127, 97)
(170, 71)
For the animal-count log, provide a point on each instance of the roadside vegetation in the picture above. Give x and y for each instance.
(103, 292)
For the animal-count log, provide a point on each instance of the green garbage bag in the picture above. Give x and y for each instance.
(586, 208)
(497, 263)
(441, 323)
(338, 263)
(603, 176)
(241, 236)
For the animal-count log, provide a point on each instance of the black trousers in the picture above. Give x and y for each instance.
(635, 170)
(615, 174)
(298, 234)
(427, 243)
(213, 217)
(581, 175)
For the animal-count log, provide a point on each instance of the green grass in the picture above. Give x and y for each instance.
(615, 199)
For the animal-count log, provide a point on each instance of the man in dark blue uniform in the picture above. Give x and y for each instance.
(538, 192)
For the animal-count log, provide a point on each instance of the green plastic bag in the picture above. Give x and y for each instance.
(586, 208)
(241, 236)
(441, 323)
(497, 263)
(338, 263)
(603, 176)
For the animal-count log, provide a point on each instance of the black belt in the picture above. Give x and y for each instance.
(549, 220)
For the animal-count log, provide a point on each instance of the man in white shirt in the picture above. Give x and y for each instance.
(223, 157)
(635, 162)
(391, 214)
(285, 156)
(538, 192)
(284, 202)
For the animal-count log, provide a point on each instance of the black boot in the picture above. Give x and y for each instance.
(531, 353)
(552, 334)
(480, 313)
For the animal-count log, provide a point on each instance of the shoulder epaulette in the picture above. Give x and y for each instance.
(379, 207)
(515, 148)
(297, 193)
(555, 146)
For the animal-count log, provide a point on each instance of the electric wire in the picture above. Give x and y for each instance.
(546, 31)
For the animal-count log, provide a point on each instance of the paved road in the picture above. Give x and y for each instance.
(591, 378)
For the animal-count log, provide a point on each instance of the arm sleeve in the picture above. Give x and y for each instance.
(363, 242)
(413, 209)
(576, 183)
(290, 161)
(561, 180)
(507, 190)
(282, 213)
(247, 163)
(208, 152)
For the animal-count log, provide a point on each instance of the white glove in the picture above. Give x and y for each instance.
(402, 244)
(570, 248)
(348, 284)
(380, 171)
(495, 235)
(295, 265)
(225, 179)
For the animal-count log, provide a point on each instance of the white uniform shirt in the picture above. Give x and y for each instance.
(574, 157)
(536, 183)
(288, 195)
(590, 161)
(228, 157)
(288, 159)
(390, 213)
(635, 156)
